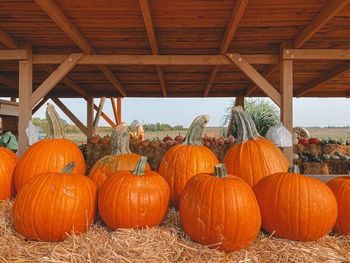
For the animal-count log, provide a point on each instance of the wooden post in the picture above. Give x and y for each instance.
(25, 92)
(90, 116)
(286, 81)
(119, 109)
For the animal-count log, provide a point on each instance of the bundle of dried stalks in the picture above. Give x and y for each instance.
(167, 243)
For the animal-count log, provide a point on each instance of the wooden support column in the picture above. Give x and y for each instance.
(90, 116)
(25, 92)
(119, 110)
(114, 107)
(286, 83)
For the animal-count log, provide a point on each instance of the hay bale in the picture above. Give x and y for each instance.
(315, 149)
(338, 166)
(298, 148)
(315, 168)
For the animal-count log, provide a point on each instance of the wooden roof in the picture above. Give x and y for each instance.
(183, 27)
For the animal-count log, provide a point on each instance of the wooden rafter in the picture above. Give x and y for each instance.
(98, 113)
(119, 110)
(147, 18)
(62, 21)
(323, 78)
(70, 115)
(8, 82)
(103, 115)
(54, 78)
(232, 26)
(114, 107)
(7, 40)
(255, 76)
(13, 54)
(40, 104)
(316, 54)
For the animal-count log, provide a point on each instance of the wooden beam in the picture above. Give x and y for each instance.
(98, 113)
(161, 80)
(156, 60)
(62, 21)
(327, 76)
(8, 82)
(255, 76)
(54, 78)
(89, 116)
(317, 54)
(25, 92)
(327, 13)
(7, 40)
(70, 115)
(266, 74)
(239, 101)
(12, 54)
(231, 28)
(119, 110)
(39, 105)
(107, 119)
(114, 110)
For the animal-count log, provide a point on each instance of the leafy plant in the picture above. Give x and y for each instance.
(263, 113)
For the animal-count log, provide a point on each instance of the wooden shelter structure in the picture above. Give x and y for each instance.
(158, 48)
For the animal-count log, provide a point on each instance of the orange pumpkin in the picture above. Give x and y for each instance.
(120, 159)
(220, 211)
(134, 199)
(185, 160)
(49, 155)
(8, 162)
(295, 206)
(253, 157)
(53, 204)
(341, 189)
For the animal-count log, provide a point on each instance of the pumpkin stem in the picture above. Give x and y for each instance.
(195, 132)
(220, 170)
(294, 169)
(120, 140)
(140, 166)
(55, 130)
(68, 168)
(246, 129)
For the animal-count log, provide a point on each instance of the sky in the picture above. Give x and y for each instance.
(307, 112)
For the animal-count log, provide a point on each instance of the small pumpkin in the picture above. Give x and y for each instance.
(252, 157)
(340, 187)
(8, 162)
(183, 161)
(220, 210)
(53, 204)
(295, 206)
(49, 155)
(314, 141)
(304, 142)
(120, 159)
(134, 199)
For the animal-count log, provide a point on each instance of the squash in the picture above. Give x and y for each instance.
(49, 155)
(314, 141)
(185, 160)
(8, 162)
(295, 206)
(304, 142)
(220, 210)
(53, 204)
(134, 199)
(253, 157)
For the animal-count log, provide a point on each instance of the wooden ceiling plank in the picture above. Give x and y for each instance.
(54, 78)
(255, 76)
(8, 82)
(322, 79)
(147, 18)
(231, 28)
(327, 13)
(7, 40)
(70, 115)
(63, 22)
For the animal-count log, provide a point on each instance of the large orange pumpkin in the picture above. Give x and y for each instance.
(295, 206)
(184, 161)
(53, 204)
(134, 199)
(341, 189)
(253, 157)
(220, 211)
(8, 161)
(49, 155)
(120, 159)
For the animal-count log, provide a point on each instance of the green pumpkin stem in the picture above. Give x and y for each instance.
(246, 129)
(120, 140)
(140, 166)
(220, 170)
(195, 131)
(55, 130)
(68, 168)
(294, 169)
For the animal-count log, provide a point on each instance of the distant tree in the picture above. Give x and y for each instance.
(133, 125)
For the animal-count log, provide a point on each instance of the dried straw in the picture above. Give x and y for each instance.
(167, 243)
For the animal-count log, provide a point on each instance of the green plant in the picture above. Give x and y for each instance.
(263, 113)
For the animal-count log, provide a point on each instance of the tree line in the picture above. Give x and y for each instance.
(155, 127)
